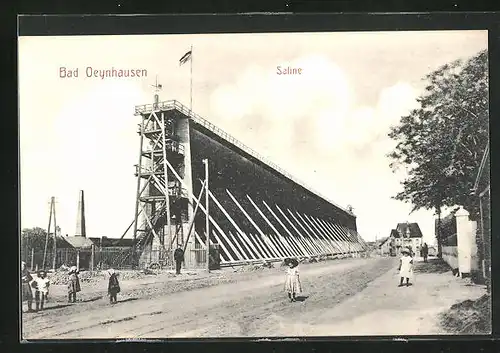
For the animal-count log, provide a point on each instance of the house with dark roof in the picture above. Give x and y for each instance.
(405, 235)
(70, 248)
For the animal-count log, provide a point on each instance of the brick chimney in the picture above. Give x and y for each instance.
(80, 217)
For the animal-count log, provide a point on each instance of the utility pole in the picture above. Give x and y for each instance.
(54, 249)
(55, 236)
(48, 232)
(207, 219)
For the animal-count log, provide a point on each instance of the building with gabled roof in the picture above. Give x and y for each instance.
(406, 235)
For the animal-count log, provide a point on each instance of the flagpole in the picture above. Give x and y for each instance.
(191, 85)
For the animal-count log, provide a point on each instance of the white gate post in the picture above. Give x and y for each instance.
(465, 241)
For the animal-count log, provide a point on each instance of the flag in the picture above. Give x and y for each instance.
(185, 58)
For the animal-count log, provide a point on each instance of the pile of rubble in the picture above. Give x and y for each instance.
(254, 267)
(61, 275)
(468, 317)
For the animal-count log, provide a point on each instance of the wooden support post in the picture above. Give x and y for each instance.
(217, 227)
(78, 260)
(207, 214)
(194, 215)
(92, 257)
(165, 175)
(32, 257)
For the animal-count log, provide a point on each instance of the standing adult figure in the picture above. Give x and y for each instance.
(425, 251)
(27, 293)
(179, 258)
(73, 284)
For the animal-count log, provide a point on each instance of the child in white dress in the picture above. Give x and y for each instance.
(42, 289)
(405, 268)
(292, 280)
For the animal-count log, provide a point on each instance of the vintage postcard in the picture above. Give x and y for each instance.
(254, 185)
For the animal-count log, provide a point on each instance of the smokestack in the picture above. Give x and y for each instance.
(80, 217)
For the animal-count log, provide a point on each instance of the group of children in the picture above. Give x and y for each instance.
(40, 285)
(293, 285)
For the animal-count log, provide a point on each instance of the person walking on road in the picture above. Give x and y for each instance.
(73, 284)
(42, 289)
(179, 258)
(27, 294)
(405, 267)
(292, 280)
(425, 251)
(113, 286)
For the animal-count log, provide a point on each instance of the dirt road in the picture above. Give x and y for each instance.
(250, 308)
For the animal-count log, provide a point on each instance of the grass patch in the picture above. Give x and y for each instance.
(433, 265)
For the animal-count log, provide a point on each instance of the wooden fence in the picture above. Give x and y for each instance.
(118, 258)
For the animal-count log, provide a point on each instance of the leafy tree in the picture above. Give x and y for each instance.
(34, 238)
(441, 143)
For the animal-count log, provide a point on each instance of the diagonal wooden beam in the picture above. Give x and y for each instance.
(340, 232)
(308, 246)
(344, 236)
(302, 246)
(292, 238)
(199, 240)
(268, 254)
(243, 236)
(216, 225)
(289, 250)
(325, 243)
(245, 250)
(230, 257)
(280, 246)
(327, 233)
(332, 234)
(356, 239)
(321, 237)
(311, 239)
(235, 245)
(268, 251)
(335, 234)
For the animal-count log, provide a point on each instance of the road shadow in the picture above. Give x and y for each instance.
(301, 298)
(127, 300)
(433, 265)
(91, 299)
(59, 306)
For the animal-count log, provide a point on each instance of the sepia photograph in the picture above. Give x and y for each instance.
(301, 184)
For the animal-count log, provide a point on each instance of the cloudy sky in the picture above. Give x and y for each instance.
(327, 126)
